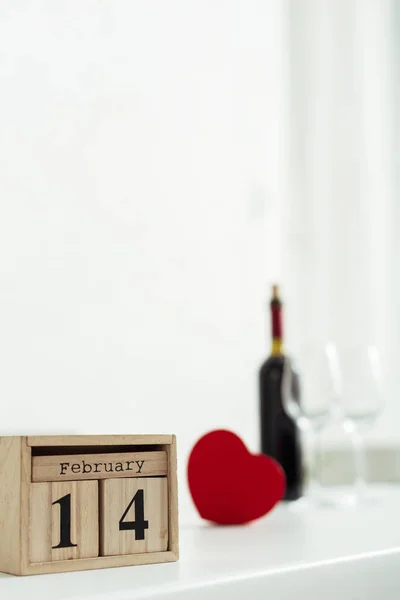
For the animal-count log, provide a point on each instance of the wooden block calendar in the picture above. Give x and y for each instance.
(70, 503)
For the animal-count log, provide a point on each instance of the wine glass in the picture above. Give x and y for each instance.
(362, 401)
(310, 395)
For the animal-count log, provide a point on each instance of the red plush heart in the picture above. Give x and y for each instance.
(229, 485)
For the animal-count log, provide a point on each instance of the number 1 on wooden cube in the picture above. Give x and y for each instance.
(63, 520)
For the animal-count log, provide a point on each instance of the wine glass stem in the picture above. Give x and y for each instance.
(313, 482)
(359, 462)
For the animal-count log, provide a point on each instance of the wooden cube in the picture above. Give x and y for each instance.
(64, 521)
(134, 515)
(71, 503)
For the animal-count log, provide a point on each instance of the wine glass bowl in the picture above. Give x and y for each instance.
(311, 385)
(361, 395)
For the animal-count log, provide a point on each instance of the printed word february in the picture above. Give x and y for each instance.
(101, 467)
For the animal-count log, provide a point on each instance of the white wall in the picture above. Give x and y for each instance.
(141, 185)
(343, 218)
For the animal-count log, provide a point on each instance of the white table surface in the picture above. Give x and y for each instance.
(321, 554)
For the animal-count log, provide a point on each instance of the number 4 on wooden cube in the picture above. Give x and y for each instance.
(133, 515)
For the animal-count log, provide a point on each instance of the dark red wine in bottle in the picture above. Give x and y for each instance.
(279, 433)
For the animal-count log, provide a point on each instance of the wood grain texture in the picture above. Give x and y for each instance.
(98, 466)
(10, 505)
(102, 562)
(98, 440)
(115, 497)
(45, 514)
(173, 513)
(16, 525)
(26, 466)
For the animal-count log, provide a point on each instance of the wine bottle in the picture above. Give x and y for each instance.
(279, 433)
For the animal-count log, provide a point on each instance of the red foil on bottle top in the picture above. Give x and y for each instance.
(277, 330)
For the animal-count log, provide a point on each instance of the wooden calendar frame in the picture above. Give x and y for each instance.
(16, 458)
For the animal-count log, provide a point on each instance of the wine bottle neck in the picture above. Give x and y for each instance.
(277, 347)
(276, 323)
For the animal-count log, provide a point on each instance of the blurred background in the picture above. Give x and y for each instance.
(162, 164)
